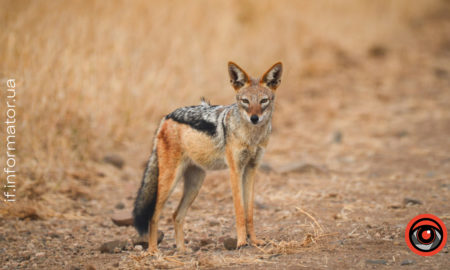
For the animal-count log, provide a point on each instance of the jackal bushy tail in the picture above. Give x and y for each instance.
(144, 206)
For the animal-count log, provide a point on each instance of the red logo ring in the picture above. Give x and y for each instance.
(426, 235)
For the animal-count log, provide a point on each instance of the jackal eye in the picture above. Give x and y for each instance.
(245, 101)
(264, 100)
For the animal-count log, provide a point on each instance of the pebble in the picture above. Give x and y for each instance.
(138, 248)
(120, 205)
(214, 223)
(205, 242)
(440, 72)
(410, 201)
(384, 262)
(395, 206)
(377, 51)
(111, 246)
(230, 243)
(123, 218)
(408, 262)
(115, 160)
(337, 136)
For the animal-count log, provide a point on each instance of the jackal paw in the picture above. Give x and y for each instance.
(183, 250)
(151, 252)
(257, 242)
(241, 244)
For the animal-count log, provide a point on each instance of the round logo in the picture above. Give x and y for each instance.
(426, 235)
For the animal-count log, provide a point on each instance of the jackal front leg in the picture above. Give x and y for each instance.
(248, 185)
(236, 176)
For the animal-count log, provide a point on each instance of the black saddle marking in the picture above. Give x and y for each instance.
(194, 120)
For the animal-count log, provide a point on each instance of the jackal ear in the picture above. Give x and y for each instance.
(272, 77)
(238, 77)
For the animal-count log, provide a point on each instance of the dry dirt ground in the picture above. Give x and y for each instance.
(355, 154)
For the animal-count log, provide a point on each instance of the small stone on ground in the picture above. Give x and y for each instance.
(408, 262)
(230, 243)
(113, 246)
(115, 160)
(123, 218)
(384, 262)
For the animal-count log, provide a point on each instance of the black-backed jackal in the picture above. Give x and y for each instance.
(194, 139)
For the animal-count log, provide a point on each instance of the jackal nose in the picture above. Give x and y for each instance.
(254, 118)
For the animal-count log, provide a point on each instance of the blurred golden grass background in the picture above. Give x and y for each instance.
(95, 77)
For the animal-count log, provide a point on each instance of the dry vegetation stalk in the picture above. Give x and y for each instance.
(311, 217)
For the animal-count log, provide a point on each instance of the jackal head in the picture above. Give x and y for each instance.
(255, 97)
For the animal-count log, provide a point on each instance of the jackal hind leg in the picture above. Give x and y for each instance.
(171, 167)
(193, 180)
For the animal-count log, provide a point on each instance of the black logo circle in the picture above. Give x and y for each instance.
(426, 235)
